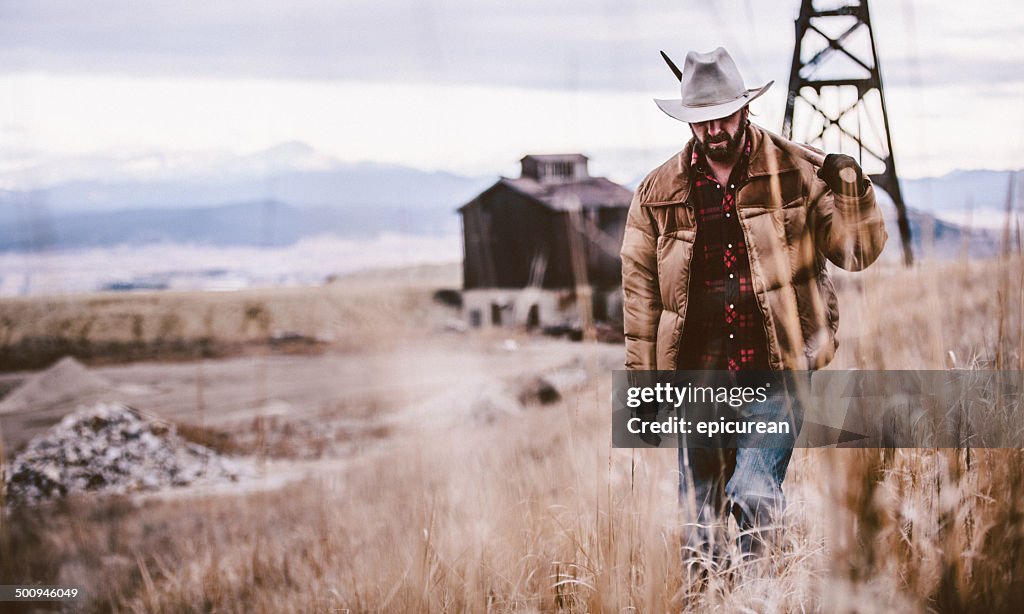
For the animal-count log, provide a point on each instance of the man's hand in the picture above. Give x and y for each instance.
(842, 174)
(648, 413)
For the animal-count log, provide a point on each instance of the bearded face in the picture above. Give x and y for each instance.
(720, 139)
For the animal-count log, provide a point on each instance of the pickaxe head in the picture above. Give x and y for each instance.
(675, 69)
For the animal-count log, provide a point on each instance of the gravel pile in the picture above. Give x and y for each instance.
(110, 448)
(65, 382)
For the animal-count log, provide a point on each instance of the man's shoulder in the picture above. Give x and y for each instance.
(799, 155)
(667, 181)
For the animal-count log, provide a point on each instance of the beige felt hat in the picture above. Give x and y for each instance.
(711, 87)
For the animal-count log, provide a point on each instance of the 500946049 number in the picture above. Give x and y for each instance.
(20, 592)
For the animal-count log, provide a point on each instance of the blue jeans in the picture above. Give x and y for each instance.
(742, 480)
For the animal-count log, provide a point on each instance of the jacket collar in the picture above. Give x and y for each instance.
(671, 182)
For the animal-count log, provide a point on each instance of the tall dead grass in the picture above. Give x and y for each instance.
(538, 513)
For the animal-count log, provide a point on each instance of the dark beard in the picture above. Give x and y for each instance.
(732, 148)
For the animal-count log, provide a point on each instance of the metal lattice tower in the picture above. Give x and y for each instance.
(835, 78)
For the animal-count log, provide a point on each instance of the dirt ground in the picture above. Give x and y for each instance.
(388, 360)
(309, 406)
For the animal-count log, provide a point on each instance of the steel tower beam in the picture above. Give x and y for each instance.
(861, 73)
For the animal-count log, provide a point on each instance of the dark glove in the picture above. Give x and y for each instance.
(648, 413)
(842, 175)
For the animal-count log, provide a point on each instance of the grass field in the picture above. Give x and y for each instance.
(177, 325)
(536, 512)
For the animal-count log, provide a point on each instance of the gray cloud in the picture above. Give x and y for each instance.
(949, 69)
(546, 44)
(558, 44)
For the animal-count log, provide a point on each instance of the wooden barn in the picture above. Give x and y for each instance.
(535, 244)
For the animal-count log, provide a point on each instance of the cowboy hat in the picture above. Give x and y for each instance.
(711, 87)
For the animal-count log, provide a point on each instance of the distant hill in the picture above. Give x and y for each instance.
(356, 185)
(279, 196)
(261, 224)
(936, 238)
(275, 224)
(980, 189)
(265, 200)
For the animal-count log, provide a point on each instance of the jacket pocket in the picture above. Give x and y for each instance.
(674, 252)
(771, 191)
(673, 216)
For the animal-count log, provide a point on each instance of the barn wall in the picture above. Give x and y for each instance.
(520, 228)
(604, 267)
(477, 270)
(503, 230)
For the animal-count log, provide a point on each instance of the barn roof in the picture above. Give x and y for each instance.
(590, 192)
(555, 157)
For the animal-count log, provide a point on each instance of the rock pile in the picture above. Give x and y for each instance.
(111, 448)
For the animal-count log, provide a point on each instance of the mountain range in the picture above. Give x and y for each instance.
(291, 192)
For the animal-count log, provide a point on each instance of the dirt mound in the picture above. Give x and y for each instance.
(111, 448)
(65, 381)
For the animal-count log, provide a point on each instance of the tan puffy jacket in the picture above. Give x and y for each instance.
(792, 224)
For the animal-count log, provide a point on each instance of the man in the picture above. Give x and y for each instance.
(724, 268)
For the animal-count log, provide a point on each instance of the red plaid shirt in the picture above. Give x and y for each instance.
(724, 327)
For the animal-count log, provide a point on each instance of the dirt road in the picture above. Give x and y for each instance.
(332, 397)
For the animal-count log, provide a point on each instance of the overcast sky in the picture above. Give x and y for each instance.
(460, 85)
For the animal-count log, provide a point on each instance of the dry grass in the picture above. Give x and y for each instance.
(537, 513)
(125, 327)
